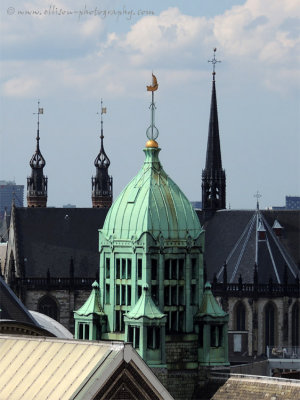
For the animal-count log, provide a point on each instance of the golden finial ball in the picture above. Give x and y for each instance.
(151, 143)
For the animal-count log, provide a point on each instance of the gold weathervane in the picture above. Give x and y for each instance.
(154, 86)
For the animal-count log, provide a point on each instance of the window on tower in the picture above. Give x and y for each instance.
(107, 268)
(140, 270)
(107, 293)
(181, 269)
(123, 268)
(118, 266)
(194, 272)
(83, 331)
(216, 336)
(122, 291)
(129, 295)
(193, 294)
(129, 268)
(154, 293)
(174, 294)
(153, 337)
(153, 269)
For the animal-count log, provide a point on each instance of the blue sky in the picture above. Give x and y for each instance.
(72, 60)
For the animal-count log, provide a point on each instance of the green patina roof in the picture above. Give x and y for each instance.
(145, 307)
(152, 203)
(92, 305)
(209, 306)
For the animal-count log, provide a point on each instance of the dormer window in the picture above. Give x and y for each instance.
(261, 232)
(277, 228)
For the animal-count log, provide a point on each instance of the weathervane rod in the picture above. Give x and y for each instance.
(103, 111)
(152, 131)
(40, 111)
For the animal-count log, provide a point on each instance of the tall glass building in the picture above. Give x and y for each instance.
(9, 191)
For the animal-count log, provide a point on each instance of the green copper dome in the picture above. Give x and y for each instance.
(152, 203)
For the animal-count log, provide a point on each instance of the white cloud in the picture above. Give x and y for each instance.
(21, 87)
(257, 36)
(92, 26)
(171, 31)
(254, 30)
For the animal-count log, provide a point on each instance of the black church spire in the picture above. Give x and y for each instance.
(102, 182)
(213, 176)
(37, 182)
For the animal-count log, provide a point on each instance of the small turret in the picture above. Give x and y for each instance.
(37, 183)
(102, 182)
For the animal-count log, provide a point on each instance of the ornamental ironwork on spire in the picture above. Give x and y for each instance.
(213, 176)
(102, 182)
(152, 132)
(37, 183)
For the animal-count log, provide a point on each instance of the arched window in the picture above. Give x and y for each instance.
(269, 325)
(295, 325)
(240, 317)
(48, 306)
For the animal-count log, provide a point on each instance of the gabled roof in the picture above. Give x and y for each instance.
(209, 306)
(51, 368)
(47, 238)
(234, 234)
(92, 305)
(277, 225)
(145, 307)
(251, 387)
(11, 308)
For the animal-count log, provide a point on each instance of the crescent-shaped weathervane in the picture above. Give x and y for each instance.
(154, 85)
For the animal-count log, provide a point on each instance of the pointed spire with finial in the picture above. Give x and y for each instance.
(102, 182)
(37, 183)
(213, 176)
(257, 195)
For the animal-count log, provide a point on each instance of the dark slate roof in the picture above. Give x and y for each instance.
(49, 237)
(229, 237)
(12, 308)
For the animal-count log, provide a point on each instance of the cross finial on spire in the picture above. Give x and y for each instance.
(258, 196)
(214, 61)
